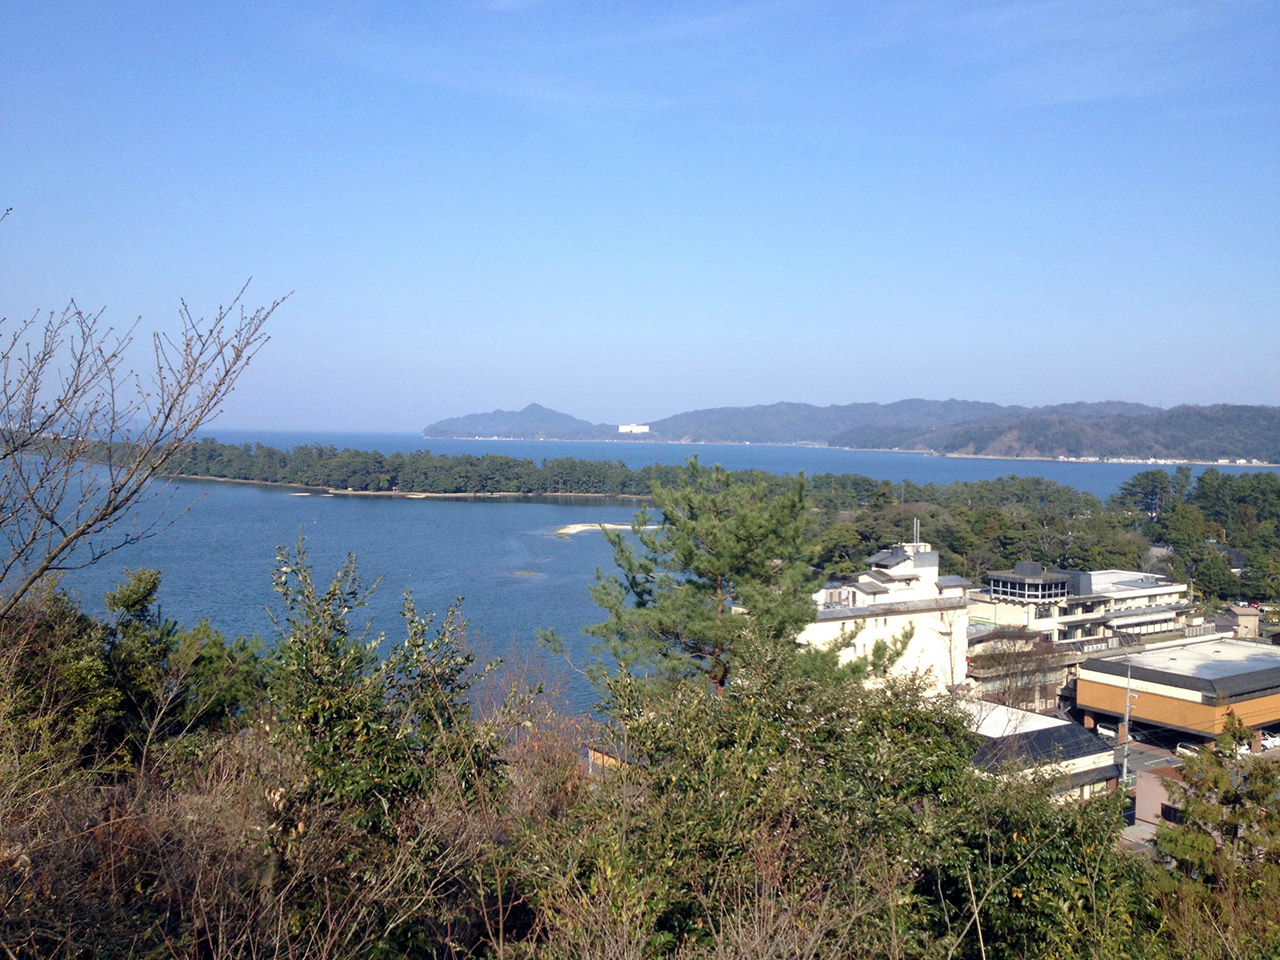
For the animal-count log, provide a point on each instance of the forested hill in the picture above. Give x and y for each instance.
(534, 422)
(1106, 429)
(895, 424)
(1181, 433)
(805, 423)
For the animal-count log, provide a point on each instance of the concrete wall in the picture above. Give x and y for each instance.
(938, 648)
(1151, 792)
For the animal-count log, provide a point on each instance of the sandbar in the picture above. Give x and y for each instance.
(572, 528)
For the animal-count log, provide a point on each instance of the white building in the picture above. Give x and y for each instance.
(633, 428)
(901, 589)
(1071, 605)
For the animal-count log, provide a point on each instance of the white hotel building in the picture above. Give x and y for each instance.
(1086, 606)
(901, 589)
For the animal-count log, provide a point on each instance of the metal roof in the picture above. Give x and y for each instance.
(870, 587)
(1215, 668)
(1153, 612)
(1051, 744)
(889, 609)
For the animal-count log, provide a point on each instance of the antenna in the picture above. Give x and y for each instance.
(902, 505)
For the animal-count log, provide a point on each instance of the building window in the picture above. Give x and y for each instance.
(1170, 814)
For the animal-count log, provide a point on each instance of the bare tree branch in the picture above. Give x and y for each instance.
(82, 435)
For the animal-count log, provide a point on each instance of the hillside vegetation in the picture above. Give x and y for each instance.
(1107, 429)
(772, 423)
(1181, 433)
(167, 793)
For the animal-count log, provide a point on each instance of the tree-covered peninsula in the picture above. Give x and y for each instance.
(368, 471)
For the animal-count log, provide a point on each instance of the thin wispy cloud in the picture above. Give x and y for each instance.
(1056, 52)
(509, 6)
(541, 70)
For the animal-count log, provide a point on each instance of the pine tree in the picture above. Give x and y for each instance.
(1225, 802)
(726, 553)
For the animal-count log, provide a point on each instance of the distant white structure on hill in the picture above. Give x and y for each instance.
(633, 428)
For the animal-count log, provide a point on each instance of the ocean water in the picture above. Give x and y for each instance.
(217, 542)
(504, 559)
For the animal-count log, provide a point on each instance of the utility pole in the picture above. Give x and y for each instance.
(1129, 697)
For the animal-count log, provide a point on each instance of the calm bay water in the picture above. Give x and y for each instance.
(515, 574)
(504, 558)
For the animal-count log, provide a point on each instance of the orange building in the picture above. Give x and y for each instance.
(1189, 686)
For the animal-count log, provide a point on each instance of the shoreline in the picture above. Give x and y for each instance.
(306, 490)
(300, 489)
(1094, 461)
(813, 445)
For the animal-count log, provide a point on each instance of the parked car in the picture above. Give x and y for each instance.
(1187, 749)
(1242, 749)
(1270, 741)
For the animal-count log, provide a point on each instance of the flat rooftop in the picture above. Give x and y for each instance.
(1109, 581)
(1217, 666)
(996, 720)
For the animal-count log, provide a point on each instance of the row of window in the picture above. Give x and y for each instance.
(1022, 590)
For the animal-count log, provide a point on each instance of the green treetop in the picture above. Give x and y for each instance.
(723, 545)
(1226, 801)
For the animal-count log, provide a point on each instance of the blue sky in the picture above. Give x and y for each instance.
(625, 210)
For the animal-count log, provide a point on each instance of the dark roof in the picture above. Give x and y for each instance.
(1243, 684)
(894, 554)
(1096, 775)
(1027, 570)
(1003, 631)
(1034, 747)
(1235, 557)
(954, 581)
(870, 586)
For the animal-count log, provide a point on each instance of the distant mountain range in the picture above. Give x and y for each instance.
(1106, 429)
